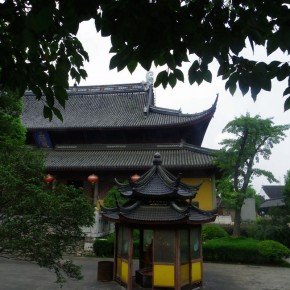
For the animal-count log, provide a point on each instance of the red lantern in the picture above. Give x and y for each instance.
(48, 179)
(135, 177)
(93, 179)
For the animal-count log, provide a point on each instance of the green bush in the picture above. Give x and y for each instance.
(273, 250)
(213, 232)
(265, 230)
(104, 247)
(242, 250)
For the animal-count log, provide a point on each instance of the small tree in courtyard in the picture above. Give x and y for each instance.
(36, 223)
(253, 138)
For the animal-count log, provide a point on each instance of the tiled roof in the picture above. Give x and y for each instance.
(273, 191)
(158, 182)
(109, 107)
(272, 203)
(125, 157)
(158, 214)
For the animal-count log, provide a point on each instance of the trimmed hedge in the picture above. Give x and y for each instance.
(104, 247)
(242, 250)
(273, 250)
(211, 231)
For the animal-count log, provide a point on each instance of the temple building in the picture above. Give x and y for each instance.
(113, 131)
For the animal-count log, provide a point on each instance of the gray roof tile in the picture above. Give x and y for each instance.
(113, 107)
(124, 157)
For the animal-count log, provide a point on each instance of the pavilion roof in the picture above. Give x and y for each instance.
(167, 213)
(158, 197)
(124, 106)
(158, 183)
(179, 156)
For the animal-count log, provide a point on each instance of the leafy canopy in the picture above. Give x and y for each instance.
(286, 191)
(39, 48)
(36, 223)
(253, 138)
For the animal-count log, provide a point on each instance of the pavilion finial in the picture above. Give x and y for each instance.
(157, 160)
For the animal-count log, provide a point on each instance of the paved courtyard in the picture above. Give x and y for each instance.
(19, 275)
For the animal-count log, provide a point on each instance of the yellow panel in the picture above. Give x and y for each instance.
(205, 195)
(196, 271)
(163, 275)
(184, 271)
(119, 267)
(124, 272)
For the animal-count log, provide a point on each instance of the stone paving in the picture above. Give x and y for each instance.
(19, 275)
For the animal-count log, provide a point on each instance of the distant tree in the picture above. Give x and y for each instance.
(286, 191)
(225, 190)
(39, 48)
(253, 138)
(113, 198)
(36, 223)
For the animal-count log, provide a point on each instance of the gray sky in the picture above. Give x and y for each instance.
(194, 98)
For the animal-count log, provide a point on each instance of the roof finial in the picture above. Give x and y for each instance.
(157, 160)
(150, 78)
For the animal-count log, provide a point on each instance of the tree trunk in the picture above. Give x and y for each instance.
(237, 223)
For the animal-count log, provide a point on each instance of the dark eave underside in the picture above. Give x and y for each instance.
(126, 157)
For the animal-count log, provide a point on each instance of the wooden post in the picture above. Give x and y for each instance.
(116, 251)
(177, 260)
(130, 259)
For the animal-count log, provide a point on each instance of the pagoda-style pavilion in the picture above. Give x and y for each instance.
(161, 207)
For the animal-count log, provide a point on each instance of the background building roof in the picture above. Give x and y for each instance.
(273, 191)
(126, 157)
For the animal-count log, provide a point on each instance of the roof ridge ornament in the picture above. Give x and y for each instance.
(157, 160)
(150, 78)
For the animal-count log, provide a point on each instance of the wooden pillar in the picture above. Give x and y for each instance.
(190, 257)
(130, 259)
(141, 246)
(177, 272)
(116, 250)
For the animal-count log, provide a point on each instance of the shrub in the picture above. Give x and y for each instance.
(267, 231)
(273, 250)
(242, 250)
(104, 247)
(213, 232)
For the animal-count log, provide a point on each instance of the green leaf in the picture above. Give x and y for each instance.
(57, 113)
(199, 77)
(192, 72)
(233, 88)
(243, 85)
(287, 91)
(161, 77)
(47, 112)
(146, 63)
(287, 104)
(272, 44)
(283, 72)
(172, 80)
(114, 61)
(83, 73)
(207, 76)
(61, 95)
(171, 61)
(132, 66)
(178, 74)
